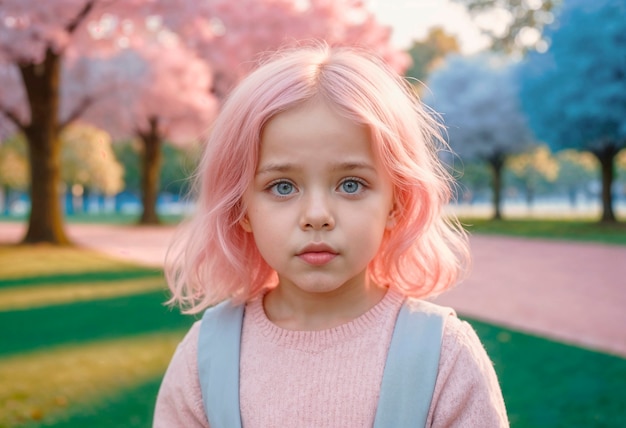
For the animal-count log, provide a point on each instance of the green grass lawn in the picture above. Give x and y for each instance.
(81, 358)
(571, 230)
(550, 384)
(99, 362)
(97, 218)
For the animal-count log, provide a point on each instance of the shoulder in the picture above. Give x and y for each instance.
(461, 345)
(458, 335)
(467, 389)
(179, 401)
(429, 308)
(461, 348)
(224, 312)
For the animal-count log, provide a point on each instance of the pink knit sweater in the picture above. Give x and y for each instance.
(331, 378)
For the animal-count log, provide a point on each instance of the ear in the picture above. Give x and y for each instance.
(392, 218)
(245, 224)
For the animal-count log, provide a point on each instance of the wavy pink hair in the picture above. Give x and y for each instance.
(213, 258)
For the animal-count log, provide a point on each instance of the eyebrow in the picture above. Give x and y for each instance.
(350, 166)
(286, 167)
(275, 167)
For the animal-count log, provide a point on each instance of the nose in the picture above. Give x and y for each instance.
(317, 212)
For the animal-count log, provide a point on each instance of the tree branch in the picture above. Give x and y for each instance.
(77, 111)
(12, 116)
(16, 55)
(82, 15)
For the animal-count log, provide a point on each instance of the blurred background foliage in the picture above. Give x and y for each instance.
(538, 118)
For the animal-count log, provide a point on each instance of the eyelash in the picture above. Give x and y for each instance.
(360, 181)
(271, 187)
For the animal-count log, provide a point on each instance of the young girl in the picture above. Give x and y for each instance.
(319, 218)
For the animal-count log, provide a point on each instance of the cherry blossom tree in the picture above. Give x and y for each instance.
(35, 36)
(232, 35)
(161, 92)
(164, 90)
(477, 99)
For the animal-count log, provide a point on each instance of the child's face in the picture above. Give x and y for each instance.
(320, 202)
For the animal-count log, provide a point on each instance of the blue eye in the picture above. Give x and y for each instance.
(283, 188)
(351, 186)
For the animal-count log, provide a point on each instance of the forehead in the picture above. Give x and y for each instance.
(314, 128)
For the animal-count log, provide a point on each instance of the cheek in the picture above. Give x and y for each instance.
(271, 247)
(368, 229)
(263, 217)
(267, 235)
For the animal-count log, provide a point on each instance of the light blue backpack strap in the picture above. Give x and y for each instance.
(411, 366)
(218, 364)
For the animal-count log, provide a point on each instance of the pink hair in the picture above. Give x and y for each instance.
(214, 259)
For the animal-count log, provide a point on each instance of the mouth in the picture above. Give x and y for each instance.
(317, 254)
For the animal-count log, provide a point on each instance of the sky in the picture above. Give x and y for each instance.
(411, 20)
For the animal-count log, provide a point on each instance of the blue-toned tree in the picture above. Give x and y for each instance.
(478, 103)
(575, 93)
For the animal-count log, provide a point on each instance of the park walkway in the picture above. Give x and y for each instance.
(573, 292)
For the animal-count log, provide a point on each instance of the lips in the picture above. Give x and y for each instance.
(317, 254)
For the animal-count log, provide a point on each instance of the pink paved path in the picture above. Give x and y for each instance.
(574, 292)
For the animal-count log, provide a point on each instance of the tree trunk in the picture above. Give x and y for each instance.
(150, 173)
(85, 198)
(572, 193)
(497, 162)
(606, 156)
(530, 194)
(6, 200)
(69, 201)
(4, 191)
(41, 82)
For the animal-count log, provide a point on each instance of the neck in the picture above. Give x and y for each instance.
(293, 309)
